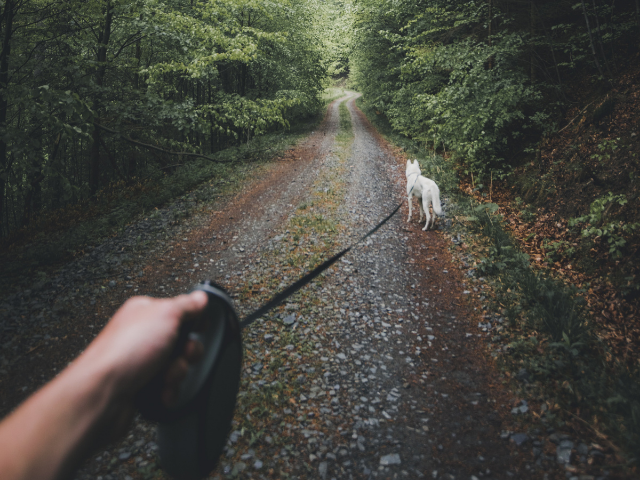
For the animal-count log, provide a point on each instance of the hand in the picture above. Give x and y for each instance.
(92, 400)
(140, 338)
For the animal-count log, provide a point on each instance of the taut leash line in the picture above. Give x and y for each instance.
(293, 288)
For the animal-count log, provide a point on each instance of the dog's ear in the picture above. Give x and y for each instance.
(408, 163)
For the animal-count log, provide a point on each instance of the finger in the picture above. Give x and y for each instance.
(175, 375)
(190, 305)
(177, 372)
(193, 351)
(170, 396)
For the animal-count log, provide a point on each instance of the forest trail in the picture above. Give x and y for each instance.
(376, 370)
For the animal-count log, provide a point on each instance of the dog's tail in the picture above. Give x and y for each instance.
(437, 208)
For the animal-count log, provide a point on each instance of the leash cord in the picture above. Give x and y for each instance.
(294, 287)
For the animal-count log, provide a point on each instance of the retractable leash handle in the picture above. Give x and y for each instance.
(192, 434)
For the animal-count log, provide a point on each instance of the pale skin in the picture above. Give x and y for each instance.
(92, 401)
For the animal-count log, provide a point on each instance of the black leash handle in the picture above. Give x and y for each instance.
(293, 288)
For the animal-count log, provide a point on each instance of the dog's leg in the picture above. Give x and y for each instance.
(421, 210)
(410, 202)
(425, 207)
(426, 225)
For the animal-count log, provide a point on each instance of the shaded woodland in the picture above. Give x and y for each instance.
(101, 93)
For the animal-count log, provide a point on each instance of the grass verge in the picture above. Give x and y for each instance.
(549, 344)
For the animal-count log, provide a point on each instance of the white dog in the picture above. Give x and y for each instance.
(425, 189)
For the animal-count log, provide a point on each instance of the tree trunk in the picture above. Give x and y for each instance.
(138, 57)
(604, 57)
(101, 57)
(32, 200)
(490, 33)
(4, 103)
(532, 66)
(593, 49)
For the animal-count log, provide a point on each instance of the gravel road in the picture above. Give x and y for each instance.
(377, 369)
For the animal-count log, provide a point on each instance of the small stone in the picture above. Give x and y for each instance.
(124, 456)
(322, 469)
(112, 283)
(391, 459)
(519, 438)
(290, 319)
(342, 356)
(268, 338)
(258, 464)
(257, 367)
(563, 451)
(239, 467)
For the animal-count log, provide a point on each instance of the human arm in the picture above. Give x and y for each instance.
(92, 400)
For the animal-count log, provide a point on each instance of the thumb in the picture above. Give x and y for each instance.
(189, 306)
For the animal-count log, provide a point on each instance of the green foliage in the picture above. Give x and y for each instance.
(465, 95)
(336, 35)
(547, 304)
(198, 76)
(557, 249)
(599, 225)
(606, 149)
(482, 80)
(435, 167)
(552, 338)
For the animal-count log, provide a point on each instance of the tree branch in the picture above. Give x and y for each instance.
(153, 147)
(579, 113)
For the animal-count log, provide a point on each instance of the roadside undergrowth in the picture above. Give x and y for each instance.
(545, 340)
(549, 345)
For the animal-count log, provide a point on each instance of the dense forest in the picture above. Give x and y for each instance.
(98, 92)
(486, 78)
(105, 91)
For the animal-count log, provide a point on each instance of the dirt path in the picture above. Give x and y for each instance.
(376, 370)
